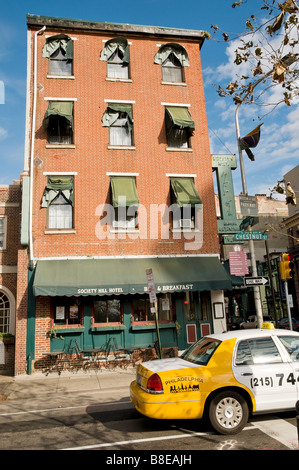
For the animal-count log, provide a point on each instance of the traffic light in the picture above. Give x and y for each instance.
(286, 266)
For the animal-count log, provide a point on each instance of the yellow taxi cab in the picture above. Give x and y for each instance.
(225, 376)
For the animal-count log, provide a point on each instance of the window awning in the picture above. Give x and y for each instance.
(113, 112)
(59, 108)
(55, 42)
(185, 191)
(112, 45)
(97, 277)
(57, 185)
(124, 192)
(177, 116)
(172, 48)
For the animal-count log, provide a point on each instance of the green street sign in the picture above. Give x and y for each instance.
(252, 235)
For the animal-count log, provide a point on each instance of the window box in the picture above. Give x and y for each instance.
(102, 328)
(152, 326)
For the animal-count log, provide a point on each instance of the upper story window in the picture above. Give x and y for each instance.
(3, 232)
(116, 53)
(118, 117)
(58, 198)
(173, 58)
(59, 122)
(125, 202)
(59, 50)
(179, 127)
(185, 201)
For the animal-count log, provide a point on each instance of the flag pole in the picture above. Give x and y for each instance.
(256, 290)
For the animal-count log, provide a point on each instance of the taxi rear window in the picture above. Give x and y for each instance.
(201, 352)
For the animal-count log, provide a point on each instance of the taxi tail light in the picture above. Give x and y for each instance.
(154, 384)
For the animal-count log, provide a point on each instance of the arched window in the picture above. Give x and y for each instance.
(4, 313)
(116, 53)
(173, 58)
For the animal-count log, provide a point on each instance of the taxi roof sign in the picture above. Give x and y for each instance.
(268, 325)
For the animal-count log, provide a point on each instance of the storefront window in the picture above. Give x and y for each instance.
(67, 312)
(141, 309)
(107, 311)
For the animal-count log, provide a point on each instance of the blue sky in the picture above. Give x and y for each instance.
(278, 150)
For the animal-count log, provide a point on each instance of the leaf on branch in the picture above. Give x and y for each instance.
(236, 4)
(277, 24)
(279, 189)
(289, 6)
(237, 99)
(225, 36)
(249, 25)
(258, 51)
(287, 98)
(278, 72)
(258, 70)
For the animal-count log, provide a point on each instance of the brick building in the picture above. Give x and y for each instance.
(10, 208)
(117, 180)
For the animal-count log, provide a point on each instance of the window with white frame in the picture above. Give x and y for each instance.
(173, 58)
(3, 229)
(125, 202)
(118, 117)
(116, 53)
(59, 50)
(60, 213)
(4, 313)
(172, 70)
(179, 127)
(59, 122)
(58, 198)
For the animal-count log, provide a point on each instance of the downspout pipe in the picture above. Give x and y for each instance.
(31, 259)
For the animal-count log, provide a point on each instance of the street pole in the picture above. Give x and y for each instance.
(288, 303)
(271, 283)
(256, 290)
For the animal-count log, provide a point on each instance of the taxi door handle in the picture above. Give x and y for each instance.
(246, 373)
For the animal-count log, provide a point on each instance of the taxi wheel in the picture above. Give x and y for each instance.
(228, 412)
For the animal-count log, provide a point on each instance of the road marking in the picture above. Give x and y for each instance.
(148, 439)
(134, 441)
(279, 429)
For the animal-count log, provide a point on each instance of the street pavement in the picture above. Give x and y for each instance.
(100, 385)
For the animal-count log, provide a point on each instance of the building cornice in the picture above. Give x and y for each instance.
(103, 26)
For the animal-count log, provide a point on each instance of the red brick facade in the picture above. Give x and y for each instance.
(10, 207)
(91, 162)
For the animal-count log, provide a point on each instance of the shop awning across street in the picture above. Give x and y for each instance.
(93, 277)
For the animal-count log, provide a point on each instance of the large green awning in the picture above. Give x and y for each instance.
(185, 191)
(124, 192)
(93, 277)
(178, 116)
(59, 108)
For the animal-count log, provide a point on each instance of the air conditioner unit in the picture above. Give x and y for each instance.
(119, 224)
(185, 223)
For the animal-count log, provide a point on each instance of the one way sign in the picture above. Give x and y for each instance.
(256, 281)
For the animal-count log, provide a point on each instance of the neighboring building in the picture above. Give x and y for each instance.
(292, 225)
(118, 121)
(271, 215)
(10, 208)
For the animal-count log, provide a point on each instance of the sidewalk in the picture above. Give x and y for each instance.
(112, 384)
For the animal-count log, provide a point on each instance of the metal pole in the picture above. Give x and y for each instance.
(288, 303)
(256, 290)
(157, 328)
(271, 283)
